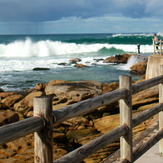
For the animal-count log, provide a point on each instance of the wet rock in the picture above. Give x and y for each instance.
(1, 90)
(139, 68)
(40, 69)
(98, 60)
(80, 65)
(74, 60)
(62, 64)
(117, 59)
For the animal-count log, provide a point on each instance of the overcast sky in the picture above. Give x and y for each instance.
(80, 16)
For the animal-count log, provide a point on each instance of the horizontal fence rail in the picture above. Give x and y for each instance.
(146, 84)
(74, 109)
(21, 128)
(42, 125)
(137, 140)
(147, 114)
(93, 146)
(89, 105)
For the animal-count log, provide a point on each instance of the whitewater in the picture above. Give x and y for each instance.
(19, 55)
(46, 48)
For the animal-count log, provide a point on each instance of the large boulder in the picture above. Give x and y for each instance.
(117, 59)
(65, 92)
(40, 69)
(1, 90)
(80, 65)
(11, 100)
(74, 60)
(139, 68)
(26, 105)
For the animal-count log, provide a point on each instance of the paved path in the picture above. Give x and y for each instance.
(151, 156)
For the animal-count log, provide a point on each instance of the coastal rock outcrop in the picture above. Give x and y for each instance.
(1, 90)
(74, 60)
(65, 92)
(26, 104)
(40, 69)
(80, 65)
(139, 68)
(11, 100)
(6, 94)
(117, 59)
(145, 97)
(107, 123)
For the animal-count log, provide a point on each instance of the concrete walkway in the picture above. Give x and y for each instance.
(151, 156)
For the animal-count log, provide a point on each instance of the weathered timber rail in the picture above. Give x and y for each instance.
(44, 117)
(158, 47)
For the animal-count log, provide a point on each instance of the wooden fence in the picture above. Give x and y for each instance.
(158, 47)
(41, 123)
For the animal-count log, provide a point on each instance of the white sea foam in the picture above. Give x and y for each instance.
(136, 34)
(46, 48)
(134, 59)
(133, 34)
(27, 64)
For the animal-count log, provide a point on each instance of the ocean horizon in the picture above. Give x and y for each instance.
(20, 54)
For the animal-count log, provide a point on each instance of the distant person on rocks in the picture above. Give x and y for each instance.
(155, 39)
(138, 45)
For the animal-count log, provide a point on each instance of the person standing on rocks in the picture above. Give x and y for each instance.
(155, 39)
(138, 45)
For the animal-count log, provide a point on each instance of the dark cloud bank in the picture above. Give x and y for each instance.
(49, 10)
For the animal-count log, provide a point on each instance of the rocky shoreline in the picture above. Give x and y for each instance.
(138, 68)
(74, 132)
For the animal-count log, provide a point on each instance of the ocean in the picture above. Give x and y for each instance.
(20, 54)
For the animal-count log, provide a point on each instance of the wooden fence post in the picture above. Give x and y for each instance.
(126, 118)
(154, 47)
(161, 113)
(43, 138)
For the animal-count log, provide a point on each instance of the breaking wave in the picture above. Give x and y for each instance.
(43, 48)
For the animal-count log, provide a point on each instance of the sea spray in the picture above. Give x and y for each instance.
(134, 59)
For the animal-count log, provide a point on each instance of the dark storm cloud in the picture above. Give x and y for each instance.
(48, 10)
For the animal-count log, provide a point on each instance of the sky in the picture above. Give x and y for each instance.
(80, 16)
